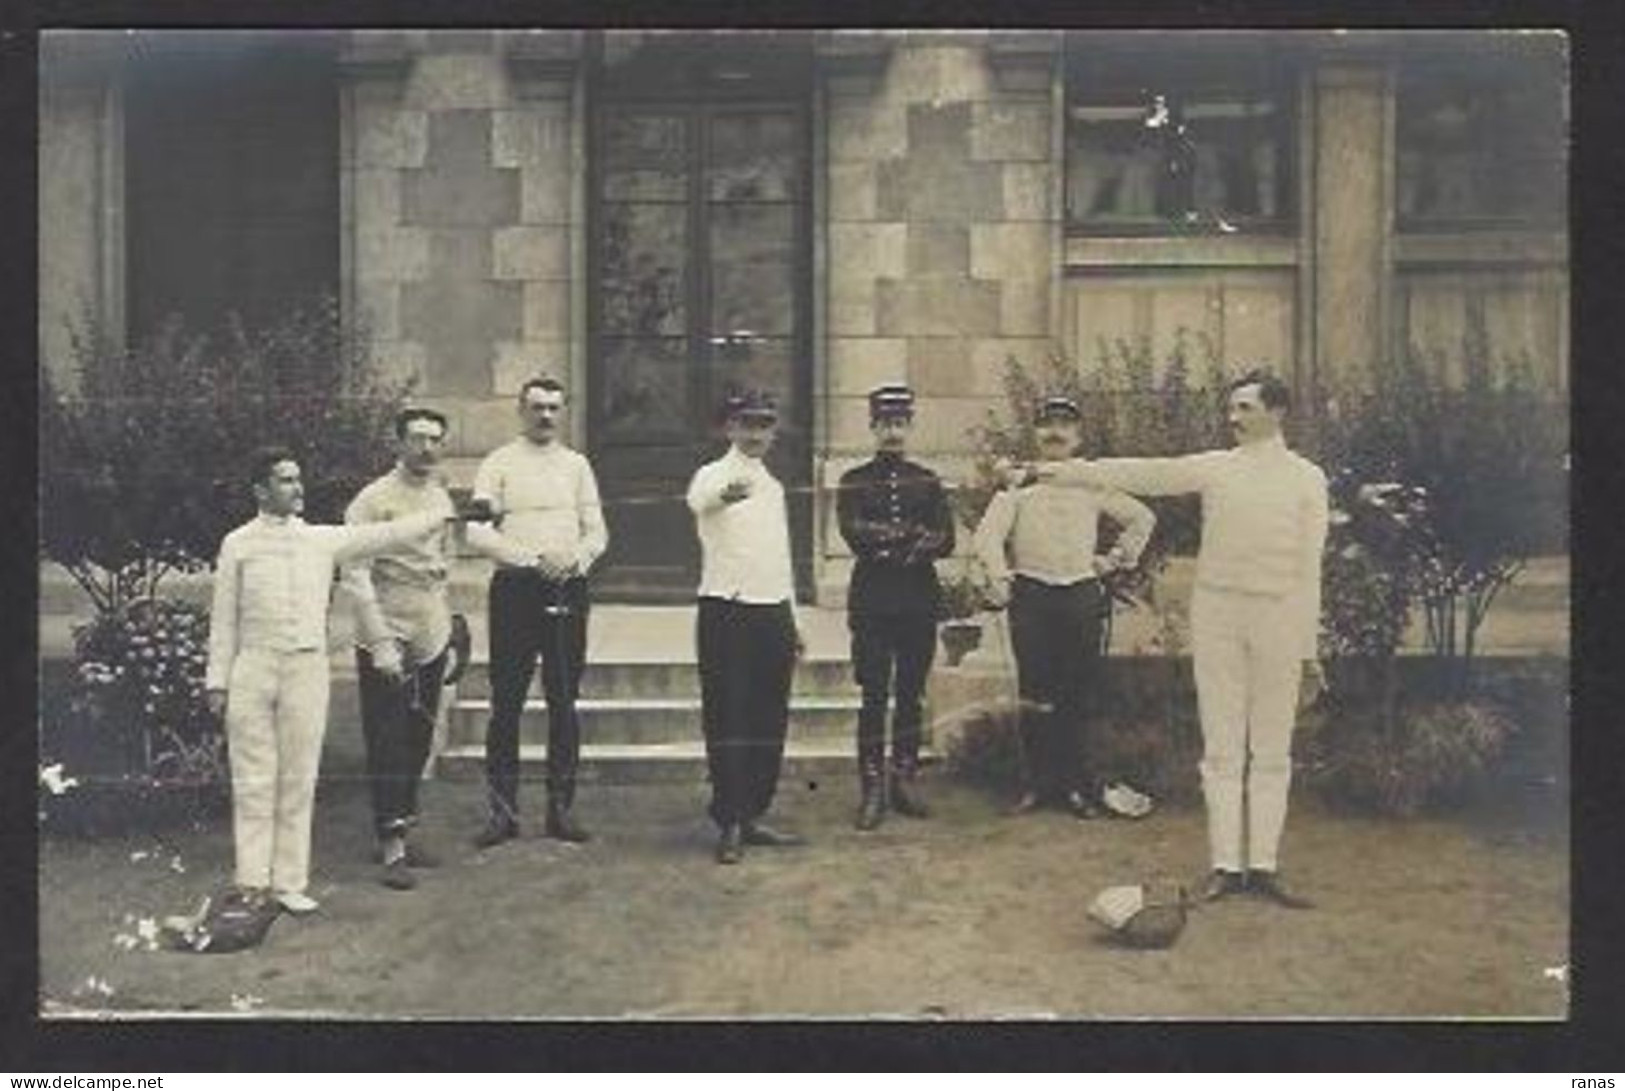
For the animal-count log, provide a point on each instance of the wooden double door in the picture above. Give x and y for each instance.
(700, 286)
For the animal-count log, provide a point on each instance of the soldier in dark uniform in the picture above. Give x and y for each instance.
(894, 515)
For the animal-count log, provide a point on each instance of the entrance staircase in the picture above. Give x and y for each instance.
(640, 700)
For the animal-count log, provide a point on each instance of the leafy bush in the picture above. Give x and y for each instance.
(142, 467)
(1146, 733)
(1127, 411)
(1441, 753)
(1486, 464)
(134, 718)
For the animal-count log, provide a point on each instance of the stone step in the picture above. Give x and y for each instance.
(805, 760)
(600, 680)
(645, 721)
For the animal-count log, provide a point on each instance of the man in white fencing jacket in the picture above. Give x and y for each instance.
(894, 515)
(268, 670)
(1255, 618)
(746, 627)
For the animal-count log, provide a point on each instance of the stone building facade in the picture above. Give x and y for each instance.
(658, 216)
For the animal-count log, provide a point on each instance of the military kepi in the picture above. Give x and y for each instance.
(1059, 407)
(891, 401)
(750, 405)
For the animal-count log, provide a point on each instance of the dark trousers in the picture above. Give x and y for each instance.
(884, 643)
(532, 617)
(747, 656)
(1056, 633)
(397, 725)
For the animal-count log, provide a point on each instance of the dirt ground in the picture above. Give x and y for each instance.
(968, 915)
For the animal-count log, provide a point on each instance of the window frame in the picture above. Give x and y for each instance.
(1104, 70)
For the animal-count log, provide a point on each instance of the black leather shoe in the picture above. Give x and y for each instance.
(730, 847)
(1268, 885)
(905, 802)
(416, 856)
(1221, 884)
(495, 833)
(1080, 806)
(562, 826)
(397, 876)
(757, 834)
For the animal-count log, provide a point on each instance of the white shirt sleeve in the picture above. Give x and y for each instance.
(485, 538)
(223, 617)
(356, 581)
(594, 532)
(355, 542)
(705, 490)
(1143, 476)
(993, 533)
(1316, 518)
(1137, 521)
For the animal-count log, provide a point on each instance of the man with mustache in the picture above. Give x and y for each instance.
(1038, 545)
(745, 628)
(1255, 616)
(550, 530)
(894, 515)
(267, 672)
(404, 639)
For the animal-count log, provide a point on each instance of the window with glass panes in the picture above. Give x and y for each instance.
(1481, 135)
(1178, 138)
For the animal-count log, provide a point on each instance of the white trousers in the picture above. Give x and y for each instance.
(1248, 671)
(276, 715)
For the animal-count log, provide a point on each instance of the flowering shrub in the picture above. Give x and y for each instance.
(144, 668)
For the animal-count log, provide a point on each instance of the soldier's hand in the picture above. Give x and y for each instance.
(735, 491)
(217, 703)
(801, 644)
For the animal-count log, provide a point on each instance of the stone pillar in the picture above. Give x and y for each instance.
(1348, 219)
(461, 160)
(941, 242)
(81, 194)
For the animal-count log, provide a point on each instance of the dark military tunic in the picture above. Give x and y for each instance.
(894, 515)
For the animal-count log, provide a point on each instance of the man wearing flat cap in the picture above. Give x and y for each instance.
(746, 627)
(894, 516)
(1038, 545)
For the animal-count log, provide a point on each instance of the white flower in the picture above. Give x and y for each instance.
(246, 1001)
(51, 776)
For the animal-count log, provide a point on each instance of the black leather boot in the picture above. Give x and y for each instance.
(872, 809)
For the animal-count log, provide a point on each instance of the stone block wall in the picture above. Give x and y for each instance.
(942, 244)
(461, 168)
(81, 206)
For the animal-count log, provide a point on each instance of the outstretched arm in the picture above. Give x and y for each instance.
(1141, 476)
